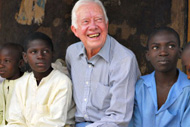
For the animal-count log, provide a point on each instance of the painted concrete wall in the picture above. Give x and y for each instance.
(130, 22)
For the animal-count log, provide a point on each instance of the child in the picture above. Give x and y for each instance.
(10, 68)
(42, 98)
(186, 58)
(162, 98)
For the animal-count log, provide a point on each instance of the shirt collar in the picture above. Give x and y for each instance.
(82, 50)
(181, 82)
(104, 52)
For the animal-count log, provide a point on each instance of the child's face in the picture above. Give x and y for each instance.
(9, 64)
(39, 56)
(163, 51)
(186, 56)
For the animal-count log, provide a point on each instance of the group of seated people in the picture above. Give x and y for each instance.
(102, 87)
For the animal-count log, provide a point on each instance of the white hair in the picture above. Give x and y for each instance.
(82, 2)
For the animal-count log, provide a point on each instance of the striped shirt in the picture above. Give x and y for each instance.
(103, 86)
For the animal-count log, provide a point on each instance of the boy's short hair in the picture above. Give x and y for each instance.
(36, 36)
(160, 29)
(13, 46)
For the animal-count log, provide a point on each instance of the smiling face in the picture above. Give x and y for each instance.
(9, 64)
(91, 28)
(163, 51)
(39, 56)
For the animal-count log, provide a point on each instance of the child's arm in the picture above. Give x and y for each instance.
(186, 115)
(58, 109)
(1, 105)
(16, 118)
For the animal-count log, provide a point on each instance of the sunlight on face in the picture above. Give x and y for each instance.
(92, 28)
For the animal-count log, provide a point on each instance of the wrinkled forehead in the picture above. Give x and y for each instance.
(89, 7)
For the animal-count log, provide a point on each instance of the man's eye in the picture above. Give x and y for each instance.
(99, 19)
(85, 22)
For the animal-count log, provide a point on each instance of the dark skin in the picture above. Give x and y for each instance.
(39, 56)
(10, 63)
(163, 53)
(186, 59)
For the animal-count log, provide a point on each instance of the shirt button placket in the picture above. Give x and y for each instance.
(87, 91)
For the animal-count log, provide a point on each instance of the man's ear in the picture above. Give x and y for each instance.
(24, 57)
(74, 30)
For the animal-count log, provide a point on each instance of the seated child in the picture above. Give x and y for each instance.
(162, 98)
(42, 98)
(186, 58)
(10, 69)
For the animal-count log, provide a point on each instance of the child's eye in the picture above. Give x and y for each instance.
(154, 47)
(34, 52)
(7, 61)
(45, 51)
(171, 46)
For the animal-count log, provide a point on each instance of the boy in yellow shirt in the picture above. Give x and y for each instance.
(42, 98)
(10, 69)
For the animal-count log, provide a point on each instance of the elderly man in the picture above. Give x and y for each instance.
(103, 71)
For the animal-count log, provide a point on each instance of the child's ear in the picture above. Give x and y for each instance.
(147, 55)
(24, 57)
(21, 63)
(179, 53)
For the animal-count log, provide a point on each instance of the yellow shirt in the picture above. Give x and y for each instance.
(1, 100)
(47, 105)
(1, 105)
(6, 90)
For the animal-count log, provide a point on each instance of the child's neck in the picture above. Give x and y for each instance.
(164, 82)
(166, 78)
(16, 76)
(41, 75)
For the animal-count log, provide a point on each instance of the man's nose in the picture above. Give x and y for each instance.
(93, 24)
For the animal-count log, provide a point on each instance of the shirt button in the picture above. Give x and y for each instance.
(85, 99)
(86, 116)
(86, 82)
(89, 66)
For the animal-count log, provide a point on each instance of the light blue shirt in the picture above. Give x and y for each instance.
(103, 86)
(175, 112)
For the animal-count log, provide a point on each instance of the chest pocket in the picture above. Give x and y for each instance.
(172, 119)
(42, 109)
(101, 97)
